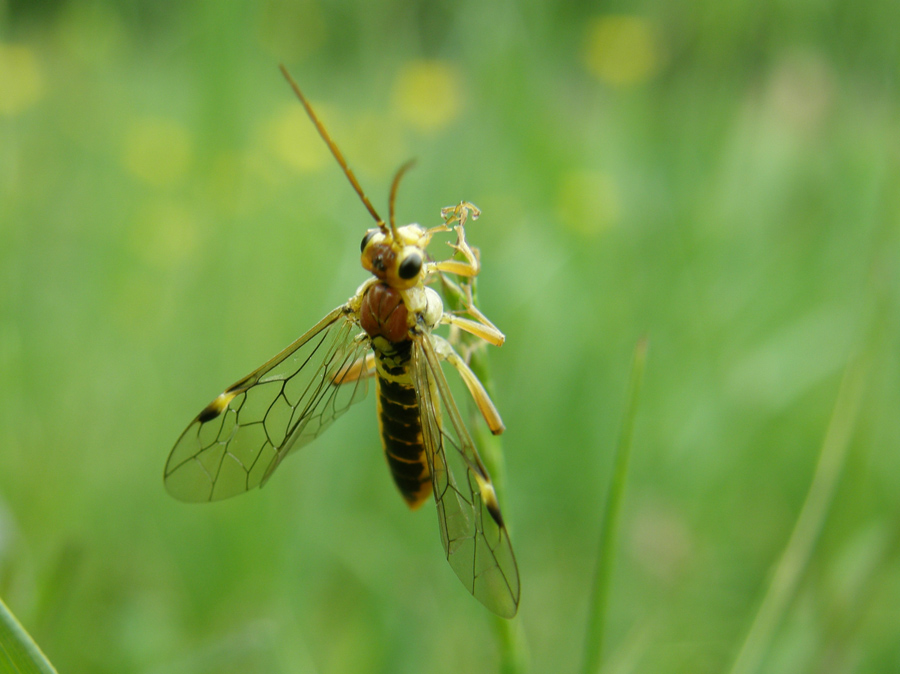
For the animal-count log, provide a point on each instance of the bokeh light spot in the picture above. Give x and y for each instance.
(376, 143)
(21, 82)
(621, 50)
(428, 94)
(588, 202)
(800, 93)
(157, 150)
(293, 139)
(165, 233)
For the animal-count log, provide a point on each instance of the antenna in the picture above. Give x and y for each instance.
(337, 153)
(394, 186)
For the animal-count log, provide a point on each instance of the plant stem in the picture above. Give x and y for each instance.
(799, 548)
(599, 599)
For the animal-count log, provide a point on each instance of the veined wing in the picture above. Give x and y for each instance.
(236, 442)
(472, 531)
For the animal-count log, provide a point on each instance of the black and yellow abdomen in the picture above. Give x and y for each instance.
(383, 315)
(401, 425)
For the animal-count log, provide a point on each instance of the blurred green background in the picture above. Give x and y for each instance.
(723, 177)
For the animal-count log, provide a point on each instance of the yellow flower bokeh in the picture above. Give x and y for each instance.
(157, 150)
(21, 81)
(428, 94)
(588, 202)
(292, 138)
(621, 50)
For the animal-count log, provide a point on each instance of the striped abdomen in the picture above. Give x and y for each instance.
(401, 425)
(383, 315)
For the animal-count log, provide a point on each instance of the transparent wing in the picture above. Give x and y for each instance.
(236, 442)
(472, 531)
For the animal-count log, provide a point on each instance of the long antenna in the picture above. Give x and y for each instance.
(394, 186)
(334, 150)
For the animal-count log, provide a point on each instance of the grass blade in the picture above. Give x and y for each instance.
(513, 654)
(18, 652)
(510, 640)
(599, 599)
(809, 524)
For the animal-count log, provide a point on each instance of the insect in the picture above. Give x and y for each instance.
(384, 331)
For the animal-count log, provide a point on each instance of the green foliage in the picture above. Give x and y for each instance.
(608, 540)
(18, 652)
(723, 177)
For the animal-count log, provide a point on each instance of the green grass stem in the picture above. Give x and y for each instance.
(599, 598)
(19, 654)
(510, 641)
(799, 548)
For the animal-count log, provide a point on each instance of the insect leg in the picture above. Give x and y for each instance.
(469, 268)
(445, 351)
(487, 332)
(361, 368)
(482, 326)
(460, 213)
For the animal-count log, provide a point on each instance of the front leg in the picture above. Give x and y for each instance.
(481, 327)
(457, 215)
(460, 213)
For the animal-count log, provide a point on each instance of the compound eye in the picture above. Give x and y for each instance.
(368, 237)
(410, 267)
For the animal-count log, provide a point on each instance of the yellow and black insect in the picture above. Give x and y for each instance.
(385, 330)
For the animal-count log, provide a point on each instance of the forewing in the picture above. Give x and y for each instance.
(236, 442)
(472, 531)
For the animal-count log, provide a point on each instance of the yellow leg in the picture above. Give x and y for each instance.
(485, 331)
(445, 351)
(457, 215)
(467, 268)
(460, 213)
(481, 326)
(361, 368)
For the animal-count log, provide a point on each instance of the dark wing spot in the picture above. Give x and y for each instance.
(210, 412)
(494, 510)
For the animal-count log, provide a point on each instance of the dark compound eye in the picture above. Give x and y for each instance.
(410, 267)
(366, 239)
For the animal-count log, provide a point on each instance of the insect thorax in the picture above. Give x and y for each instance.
(383, 314)
(388, 314)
